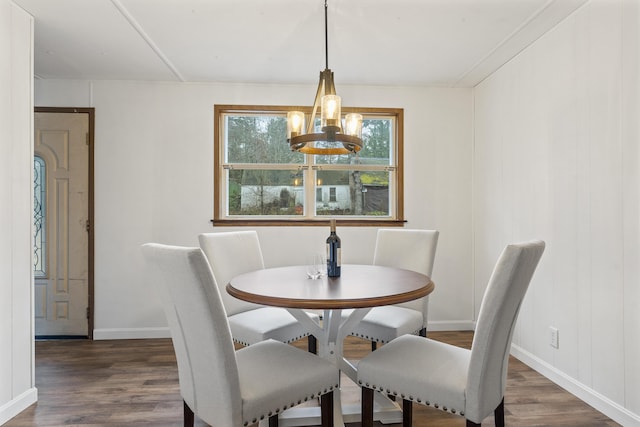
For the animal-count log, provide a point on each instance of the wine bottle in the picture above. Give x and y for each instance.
(333, 252)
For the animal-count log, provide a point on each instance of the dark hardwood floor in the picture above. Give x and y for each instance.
(135, 383)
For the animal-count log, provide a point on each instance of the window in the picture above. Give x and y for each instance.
(39, 217)
(260, 181)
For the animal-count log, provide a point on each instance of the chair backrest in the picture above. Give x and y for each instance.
(229, 254)
(507, 286)
(207, 368)
(409, 249)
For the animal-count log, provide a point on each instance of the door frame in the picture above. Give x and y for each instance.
(90, 111)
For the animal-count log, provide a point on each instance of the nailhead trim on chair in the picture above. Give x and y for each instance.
(366, 337)
(277, 410)
(246, 344)
(411, 398)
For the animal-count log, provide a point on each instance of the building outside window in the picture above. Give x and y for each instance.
(258, 179)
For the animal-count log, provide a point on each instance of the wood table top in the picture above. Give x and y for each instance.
(358, 286)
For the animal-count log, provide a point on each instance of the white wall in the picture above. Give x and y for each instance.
(16, 105)
(154, 182)
(556, 158)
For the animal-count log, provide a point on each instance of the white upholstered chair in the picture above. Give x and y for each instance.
(472, 382)
(219, 385)
(236, 252)
(411, 250)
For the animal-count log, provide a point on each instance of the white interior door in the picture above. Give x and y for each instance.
(61, 287)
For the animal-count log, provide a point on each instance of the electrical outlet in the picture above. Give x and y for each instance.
(554, 337)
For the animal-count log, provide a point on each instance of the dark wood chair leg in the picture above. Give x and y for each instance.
(423, 332)
(407, 413)
(273, 421)
(472, 424)
(326, 409)
(189, 418)
(498, 414)
(312, 344)
(367, 407)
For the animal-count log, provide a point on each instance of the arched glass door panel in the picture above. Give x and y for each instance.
(39, 217)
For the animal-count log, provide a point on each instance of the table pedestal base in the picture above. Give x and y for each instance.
(330, 336)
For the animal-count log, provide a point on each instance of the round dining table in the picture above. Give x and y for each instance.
(359, 287)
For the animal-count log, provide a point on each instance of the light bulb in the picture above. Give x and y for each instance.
(330, 113)
(353, 125)
(295, 122)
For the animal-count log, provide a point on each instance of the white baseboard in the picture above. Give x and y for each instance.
(454, 325)
(130, 333)
(17, 405)
(591, 397)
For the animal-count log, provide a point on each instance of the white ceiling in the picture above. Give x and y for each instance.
(453, 43)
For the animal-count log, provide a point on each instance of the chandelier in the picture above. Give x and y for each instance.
(333, 138)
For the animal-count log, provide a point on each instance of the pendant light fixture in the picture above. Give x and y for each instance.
(333, 138)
